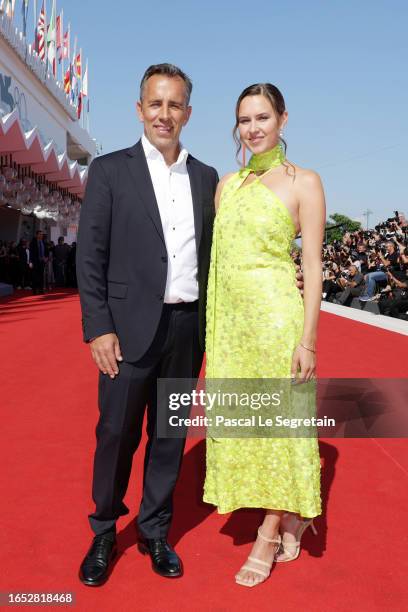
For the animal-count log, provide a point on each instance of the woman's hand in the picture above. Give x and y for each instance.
(303, 364)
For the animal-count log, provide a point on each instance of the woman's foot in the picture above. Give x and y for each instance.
(258, 565)
(291, 529)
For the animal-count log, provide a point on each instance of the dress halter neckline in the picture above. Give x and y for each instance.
(261, 162)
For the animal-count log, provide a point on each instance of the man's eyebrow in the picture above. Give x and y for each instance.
(158, 101)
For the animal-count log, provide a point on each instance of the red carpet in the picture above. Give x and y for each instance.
(358, 561)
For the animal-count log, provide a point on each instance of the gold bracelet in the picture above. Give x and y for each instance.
(308, 349)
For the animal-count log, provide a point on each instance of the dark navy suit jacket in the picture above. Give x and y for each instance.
(121, 252)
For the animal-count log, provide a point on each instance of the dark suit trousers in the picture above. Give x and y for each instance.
(174, 353)
(38, 276)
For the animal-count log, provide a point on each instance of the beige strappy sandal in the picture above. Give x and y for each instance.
(263, 569)
(292, 549)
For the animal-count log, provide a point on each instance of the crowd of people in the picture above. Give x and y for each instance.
(38, 265)
(371, 266)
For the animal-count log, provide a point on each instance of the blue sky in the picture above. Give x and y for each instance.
(342, 67)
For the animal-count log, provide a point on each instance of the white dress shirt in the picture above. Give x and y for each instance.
(173, 194)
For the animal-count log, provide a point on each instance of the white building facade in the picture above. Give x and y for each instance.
(44, 149)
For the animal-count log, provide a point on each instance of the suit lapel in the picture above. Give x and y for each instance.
(140, 173)
(195, 184)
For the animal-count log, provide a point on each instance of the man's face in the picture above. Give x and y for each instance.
(164, 110)
(39, 236)
(390, 247)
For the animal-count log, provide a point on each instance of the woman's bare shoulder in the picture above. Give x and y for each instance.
(226, 178)
(306, 176)
(223, 180)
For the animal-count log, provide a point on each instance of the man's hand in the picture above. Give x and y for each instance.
(106, 353)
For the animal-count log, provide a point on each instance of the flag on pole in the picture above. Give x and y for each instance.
(59, 38)
(41, 33)
(67, 81)
(85, 81)
(52, 40)
(8, 8)
(24, 10)
(74, 80)
(79, 105)
(74, 85)
(78, 68)
(65, 44)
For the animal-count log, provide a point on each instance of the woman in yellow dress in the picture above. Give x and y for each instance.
(258, 326)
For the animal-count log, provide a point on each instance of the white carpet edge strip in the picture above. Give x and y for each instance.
(388, 323)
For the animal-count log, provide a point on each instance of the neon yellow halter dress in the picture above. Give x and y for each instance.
(254, 322)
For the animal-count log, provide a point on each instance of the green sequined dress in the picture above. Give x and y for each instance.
(254, 322)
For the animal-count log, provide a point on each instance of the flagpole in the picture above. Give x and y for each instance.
(73, 71)
(85, 84)
(35, 25)
(24, 7)
(55, 41)
(62, 44)
(68, 54)
(45, 38)
(87, 97)
(87, 102)
(80, 88)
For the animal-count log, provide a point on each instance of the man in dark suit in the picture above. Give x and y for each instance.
(142, 263)
(38, 257)
(61, 255)
(24, 264)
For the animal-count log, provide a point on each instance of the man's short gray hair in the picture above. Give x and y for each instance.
(169, 70)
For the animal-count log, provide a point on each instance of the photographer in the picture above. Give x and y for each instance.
(331, 275)
(353, 286)
(362, 257)
(385, 259)
(396, 303)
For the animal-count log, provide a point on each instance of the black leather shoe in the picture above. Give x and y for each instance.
(164, 558)
(94, 569)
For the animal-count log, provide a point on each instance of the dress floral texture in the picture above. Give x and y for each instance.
(254, 322)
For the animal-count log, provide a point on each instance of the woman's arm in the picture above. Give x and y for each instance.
(312, 217)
